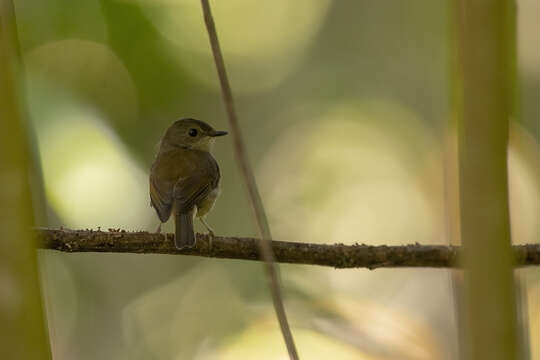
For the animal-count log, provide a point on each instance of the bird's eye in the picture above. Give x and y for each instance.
(192, 132)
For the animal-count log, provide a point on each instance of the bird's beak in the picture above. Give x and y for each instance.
(215, 133)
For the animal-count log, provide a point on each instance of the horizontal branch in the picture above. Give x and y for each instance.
(336, 255)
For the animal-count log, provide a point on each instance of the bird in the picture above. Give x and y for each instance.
(184, 177)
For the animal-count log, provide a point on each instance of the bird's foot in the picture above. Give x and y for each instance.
(158, 231)
(211, 237)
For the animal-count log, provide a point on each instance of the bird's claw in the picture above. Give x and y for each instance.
(211, 237)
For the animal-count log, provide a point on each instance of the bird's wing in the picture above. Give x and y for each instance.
(191, 190)
(161, 197)
(188, 192)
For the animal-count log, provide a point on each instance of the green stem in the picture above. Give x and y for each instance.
(22, 333)
(487, 65)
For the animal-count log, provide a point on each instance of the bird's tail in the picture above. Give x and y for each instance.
(184, 235)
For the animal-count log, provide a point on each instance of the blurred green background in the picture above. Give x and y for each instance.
(345, 109)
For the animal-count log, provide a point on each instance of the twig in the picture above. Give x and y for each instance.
(334, 255)
(256, 202)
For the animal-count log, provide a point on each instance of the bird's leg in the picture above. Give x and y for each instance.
(210, 231)
(158, 231)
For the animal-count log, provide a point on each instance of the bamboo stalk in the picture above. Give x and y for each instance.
(487, 59)
(22, 329)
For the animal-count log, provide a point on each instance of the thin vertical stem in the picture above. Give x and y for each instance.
(451, 170)
(487, 57)
(22, 329)
(249, 179)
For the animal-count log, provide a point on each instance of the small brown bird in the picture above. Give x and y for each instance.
(185, 177)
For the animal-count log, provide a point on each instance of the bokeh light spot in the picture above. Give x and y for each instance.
(89, 176)
(262, 42)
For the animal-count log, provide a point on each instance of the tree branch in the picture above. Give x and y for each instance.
(336, 255)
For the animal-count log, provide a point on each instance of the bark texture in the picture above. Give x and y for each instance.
(334, 255)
